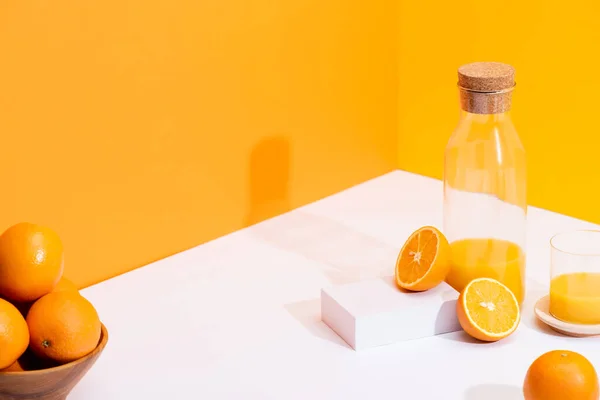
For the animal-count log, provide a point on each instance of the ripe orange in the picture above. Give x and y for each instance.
(31, 262)
(488, 310)
(561, 375)
(63, 326)
(14, 335)
(14, 367)
(30, 362)
(65, 285)
(424, 260)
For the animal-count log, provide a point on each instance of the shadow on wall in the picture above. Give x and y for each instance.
(269, 179)
(343, 254)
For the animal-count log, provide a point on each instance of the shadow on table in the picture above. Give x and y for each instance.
(308, 313)
(343, 254)
(535, 291)
(463, 337)
(494, 392)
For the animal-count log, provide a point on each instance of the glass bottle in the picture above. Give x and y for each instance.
(485, 203)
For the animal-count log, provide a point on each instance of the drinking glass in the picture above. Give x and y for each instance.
(575, 277)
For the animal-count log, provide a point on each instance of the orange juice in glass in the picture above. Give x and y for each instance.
(575, 277)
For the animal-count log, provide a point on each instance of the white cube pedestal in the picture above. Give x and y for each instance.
(375, 312)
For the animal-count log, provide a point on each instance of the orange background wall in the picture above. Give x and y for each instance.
(137, 129)
(555, 48)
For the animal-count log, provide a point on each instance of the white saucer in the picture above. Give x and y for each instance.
(542, 312)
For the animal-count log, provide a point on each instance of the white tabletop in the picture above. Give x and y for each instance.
(238, 317)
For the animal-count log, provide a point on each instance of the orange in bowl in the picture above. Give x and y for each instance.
(31, 262)
(488, 310)
(14, 334)
(424, 260)
(63, 326)
(38, 379)
(50, 335)
(65, 285)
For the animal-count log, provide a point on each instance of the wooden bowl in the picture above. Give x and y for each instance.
(53, 383)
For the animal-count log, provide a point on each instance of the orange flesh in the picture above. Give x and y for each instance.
(491, 307)
(418, 256)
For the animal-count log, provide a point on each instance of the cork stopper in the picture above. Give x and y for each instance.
(486, 87)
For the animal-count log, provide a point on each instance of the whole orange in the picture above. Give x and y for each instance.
(63, 326)
(30, 362)
(14, 335)
(17, 366)
(561, 375)
(31, 262)
(65, 285)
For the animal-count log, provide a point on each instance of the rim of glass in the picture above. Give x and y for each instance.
(590, 254)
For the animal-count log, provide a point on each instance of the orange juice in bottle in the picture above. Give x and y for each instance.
(485, 204)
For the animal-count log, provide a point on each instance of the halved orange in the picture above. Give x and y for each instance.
(488, 310)
(424, 260)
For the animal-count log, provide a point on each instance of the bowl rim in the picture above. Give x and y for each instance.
(98, 349)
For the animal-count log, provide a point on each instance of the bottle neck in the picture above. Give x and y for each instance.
(485, 118)
(485, 103)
